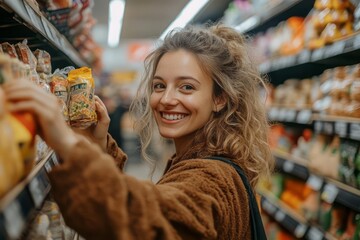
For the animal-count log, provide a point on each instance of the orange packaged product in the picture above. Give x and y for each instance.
(11, 162)
(322, 4)
(26, 56)
(59, 87)
(43, 61)
(22, 123)
(9, 49)
(81, 98)
(355, 86)
(331, 33)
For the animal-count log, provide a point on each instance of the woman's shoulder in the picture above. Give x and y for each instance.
(203, 170)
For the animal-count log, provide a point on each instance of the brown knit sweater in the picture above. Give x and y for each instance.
(195, 199)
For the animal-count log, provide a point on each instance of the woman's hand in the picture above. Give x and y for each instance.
(23, 95)
(98, 133)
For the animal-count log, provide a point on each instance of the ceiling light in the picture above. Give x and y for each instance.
(186, 15)
(116, 15)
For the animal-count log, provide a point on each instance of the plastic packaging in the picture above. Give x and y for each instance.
(82, 103)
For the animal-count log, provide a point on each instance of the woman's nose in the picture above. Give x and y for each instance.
(168, 98)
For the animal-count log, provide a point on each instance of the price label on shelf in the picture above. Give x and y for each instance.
(329, 193)
(289, 61)
(282, 114)
(288, 166)
(280, 216)
(318, 126)
(341, 128)
(328, 128)
(300, 230)
(268, 207)
(273, 113)
(318, 54)
(304, 116)
(36, 191)
(335, 49)
(290, 115)
(54, 159)
(355, 131)
(265, 67)
(48, 166)
(315, 182)
(315, 234)
(304, 56)
(356, 42)
(14, 221)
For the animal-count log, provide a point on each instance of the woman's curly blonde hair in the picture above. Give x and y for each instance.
(240, 130)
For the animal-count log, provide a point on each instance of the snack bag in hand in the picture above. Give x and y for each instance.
(82, 103)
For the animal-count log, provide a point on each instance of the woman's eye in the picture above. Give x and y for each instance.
(187, 87)
(157, 86)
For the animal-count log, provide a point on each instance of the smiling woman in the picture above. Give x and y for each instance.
(200, 91)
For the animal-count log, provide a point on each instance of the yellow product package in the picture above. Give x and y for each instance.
(11, 163)
(82, 103)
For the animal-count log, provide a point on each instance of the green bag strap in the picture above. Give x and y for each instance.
(257, 227)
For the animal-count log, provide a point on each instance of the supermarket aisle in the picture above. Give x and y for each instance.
(143, 169)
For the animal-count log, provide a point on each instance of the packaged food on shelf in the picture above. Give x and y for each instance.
(9, 49)
(332, 20)
(39, 228)
(49, 224)
(81, 98)
(43, 61)
(325, 152)
(355, 86)
(347, 171)
(59, 87)
(26, 56)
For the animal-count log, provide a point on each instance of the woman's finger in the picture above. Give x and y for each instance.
(102, 113)
(97, 99)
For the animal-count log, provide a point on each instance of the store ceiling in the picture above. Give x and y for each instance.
(147, 19)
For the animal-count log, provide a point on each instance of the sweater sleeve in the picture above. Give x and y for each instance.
(100, 202)
(113, 150)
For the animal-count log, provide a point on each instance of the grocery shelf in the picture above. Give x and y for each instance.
(290, 114)
(331, 190)
(309, 63)
(316, 233)
(345, 127)
(335, 191)
(291, 165)
(272, 14)
(19, 203)
(284, 215)
(21, 20)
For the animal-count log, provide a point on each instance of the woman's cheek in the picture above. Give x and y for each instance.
(2, 102)
(153, 101)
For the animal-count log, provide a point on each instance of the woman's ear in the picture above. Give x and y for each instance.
(219, 103)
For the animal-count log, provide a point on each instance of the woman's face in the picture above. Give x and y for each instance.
(182, 96)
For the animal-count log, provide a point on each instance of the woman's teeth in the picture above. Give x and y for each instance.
(173, 116)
